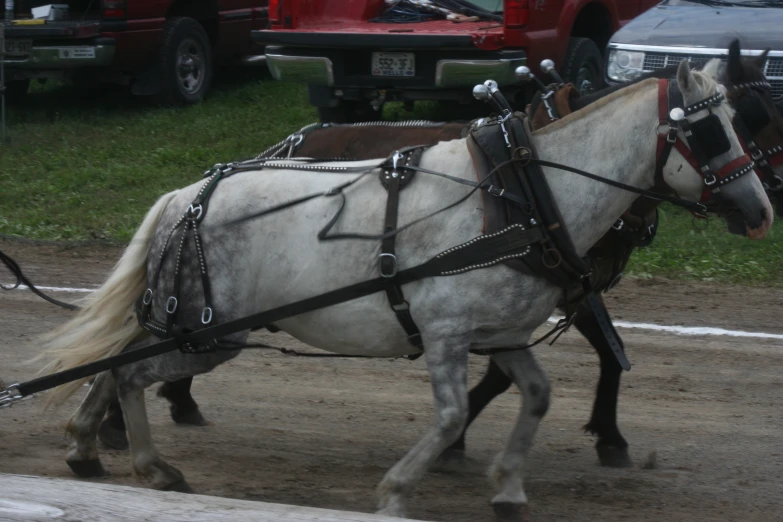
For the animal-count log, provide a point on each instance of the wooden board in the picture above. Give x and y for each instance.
(26, 498)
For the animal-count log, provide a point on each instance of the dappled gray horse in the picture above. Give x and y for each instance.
(260, 265)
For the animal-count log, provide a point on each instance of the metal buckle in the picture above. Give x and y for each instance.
(206, 315)
(618, 225)
(195, 212)
(710, 179)
(171, 305)
(147, 299)
(671, 136)
(495, 191)
(393, 259)
(10, 395)
(755, 153)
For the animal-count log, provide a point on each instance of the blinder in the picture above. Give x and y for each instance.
(706, 138)
(753, 113)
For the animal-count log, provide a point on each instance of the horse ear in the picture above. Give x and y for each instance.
(761, 59)
(685, 79)
(712, 68)
(734, 65)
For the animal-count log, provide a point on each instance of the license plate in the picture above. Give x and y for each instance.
(393, 64)
(18, 47)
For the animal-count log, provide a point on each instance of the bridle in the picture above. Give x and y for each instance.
(748, 123)
(705, 139)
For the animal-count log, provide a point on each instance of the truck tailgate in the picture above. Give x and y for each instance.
(435, 33)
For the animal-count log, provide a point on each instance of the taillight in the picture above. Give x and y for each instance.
(516, 13)
(114, 9)
(274, 11)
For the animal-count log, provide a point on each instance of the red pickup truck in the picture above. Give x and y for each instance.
(356, 55)
(165, 48)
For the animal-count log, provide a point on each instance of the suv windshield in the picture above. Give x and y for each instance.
(493, 6)
(727, 3)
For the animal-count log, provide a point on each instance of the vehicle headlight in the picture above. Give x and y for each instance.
(624, 66)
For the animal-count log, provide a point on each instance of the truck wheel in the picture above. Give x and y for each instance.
(348, 112)
(583, 65)
(185, 62)
(17, 88)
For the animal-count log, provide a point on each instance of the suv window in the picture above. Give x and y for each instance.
(494, 6)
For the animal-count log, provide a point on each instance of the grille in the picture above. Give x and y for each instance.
(773, 69)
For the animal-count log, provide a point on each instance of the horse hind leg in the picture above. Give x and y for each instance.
(492, 384)
(184, 410)
(508, 467)
(147, 462)
(82, 455)
(448, 374)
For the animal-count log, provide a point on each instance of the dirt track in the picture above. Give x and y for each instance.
(323, 432)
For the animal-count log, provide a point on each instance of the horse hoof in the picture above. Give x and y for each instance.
(192, 417)
(511, 512)
(87, 468)
(112, 438)
(180, 486)
(614, 457)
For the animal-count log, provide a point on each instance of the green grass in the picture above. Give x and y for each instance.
(87, 165)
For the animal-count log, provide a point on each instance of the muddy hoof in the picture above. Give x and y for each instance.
(111, 437)
(508, 512)
(614, 457)
(180, 486)
(87, 468)
(191, 417)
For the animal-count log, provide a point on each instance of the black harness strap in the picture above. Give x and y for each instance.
(394, 179)
(480, 252)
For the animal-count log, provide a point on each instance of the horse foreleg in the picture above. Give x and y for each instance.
(612, 448)
(493, 384)
(447, 365)
(112, 430)
(82, 455)
(508, 467)
(184, 409)
(147, 462)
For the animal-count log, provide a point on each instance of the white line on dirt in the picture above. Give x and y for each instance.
(677, 330)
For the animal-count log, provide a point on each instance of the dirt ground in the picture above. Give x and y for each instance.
(322, 432)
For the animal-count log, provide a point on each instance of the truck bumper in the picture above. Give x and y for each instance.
(65, 57)
(438, 70)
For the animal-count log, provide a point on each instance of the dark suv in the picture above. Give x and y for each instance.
(699, 30)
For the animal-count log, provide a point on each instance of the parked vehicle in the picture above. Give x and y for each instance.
(353, 59)
(665, 35)
(166, 48)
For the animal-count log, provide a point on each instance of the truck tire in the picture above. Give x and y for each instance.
(348, 112)
(16, 89)
(583, 65)
(185, 62)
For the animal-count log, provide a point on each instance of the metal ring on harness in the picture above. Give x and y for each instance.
(10, 395)
(555, 256)
(524, 154)
(171, 305)
(206, 315)
(195, 212)
(696, 218)
(147, 299)
(393, 259)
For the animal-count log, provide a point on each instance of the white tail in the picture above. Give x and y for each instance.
(106, 324)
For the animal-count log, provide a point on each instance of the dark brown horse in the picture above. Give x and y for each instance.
(609, 256)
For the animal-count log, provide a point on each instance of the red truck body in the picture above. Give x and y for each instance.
(163, 47)
(329, 44)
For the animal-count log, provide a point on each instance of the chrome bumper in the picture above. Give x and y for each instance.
(467, 73)
(64, 57)
(315, 70)
(449, 73)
